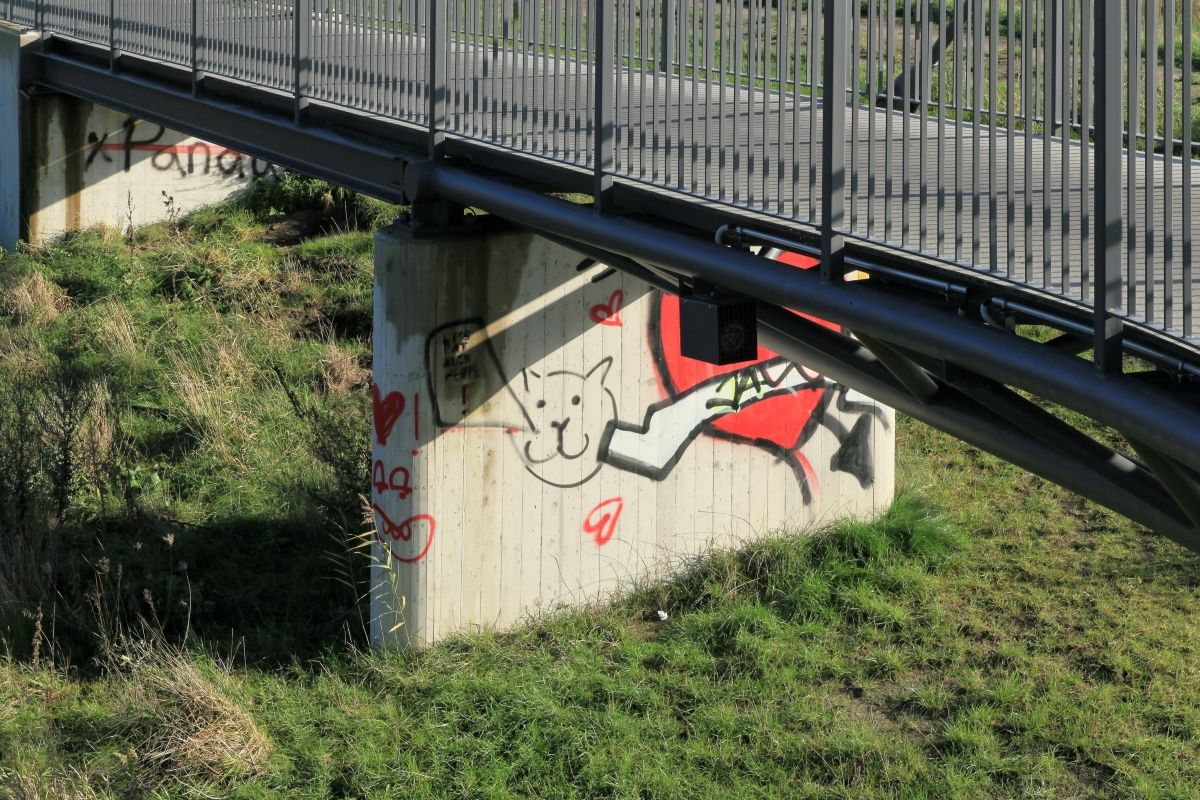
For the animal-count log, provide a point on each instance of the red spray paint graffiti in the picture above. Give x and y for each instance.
(601, 521)
(408, 542)
(387, 410)
(609, 313)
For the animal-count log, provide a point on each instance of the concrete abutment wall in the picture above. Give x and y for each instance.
(540, 441)
(67, 165)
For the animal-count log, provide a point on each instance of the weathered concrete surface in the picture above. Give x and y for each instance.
(540, 441)
(12, 40)
(88, 165)
(67, 164)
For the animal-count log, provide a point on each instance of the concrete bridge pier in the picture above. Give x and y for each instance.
(12, 43)
(540, 441)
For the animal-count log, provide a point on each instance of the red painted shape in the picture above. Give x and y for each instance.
(386, 411)
(184, 148)
(389, 484)
(778, 420)
(601, 521)
(407, 541)
(609, 313)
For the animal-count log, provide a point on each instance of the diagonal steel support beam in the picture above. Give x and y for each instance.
(1174, 479)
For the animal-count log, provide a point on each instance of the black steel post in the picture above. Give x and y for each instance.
(664, 36)
(604, 114)
(195, 47)
(1109, 93)
(435, 44)
(833, 157)
(302, 57)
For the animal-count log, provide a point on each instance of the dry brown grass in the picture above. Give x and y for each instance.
(341, 371)
(187, 730)
(33, 300)
(68, 784)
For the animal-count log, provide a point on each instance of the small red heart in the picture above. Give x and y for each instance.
(601, 521)
(609, 313)
(387, 411)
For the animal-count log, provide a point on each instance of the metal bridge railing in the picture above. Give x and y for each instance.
(1049, 142)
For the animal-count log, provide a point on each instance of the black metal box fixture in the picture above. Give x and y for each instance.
(718, 328)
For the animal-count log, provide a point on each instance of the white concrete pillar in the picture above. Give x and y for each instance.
(12, 40)
(540, 441)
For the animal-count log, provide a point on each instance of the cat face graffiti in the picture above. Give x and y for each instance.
(570, 412)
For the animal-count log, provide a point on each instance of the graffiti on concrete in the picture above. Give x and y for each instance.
(601, 521)
(769, 403)
(567, 427)
(409, 539)
(609, 312)
(576, 410)
(185, 158)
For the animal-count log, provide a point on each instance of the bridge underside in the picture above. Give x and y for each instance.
(935, 340)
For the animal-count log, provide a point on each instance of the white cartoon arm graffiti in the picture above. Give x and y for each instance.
(653, 447)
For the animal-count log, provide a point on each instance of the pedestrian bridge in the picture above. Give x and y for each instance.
(978, 167)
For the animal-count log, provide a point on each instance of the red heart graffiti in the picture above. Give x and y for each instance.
(778, 420)
(407, 541)
(609, 313)
(386, 411)
(601, 521)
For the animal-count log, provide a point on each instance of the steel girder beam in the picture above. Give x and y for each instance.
(374, 168)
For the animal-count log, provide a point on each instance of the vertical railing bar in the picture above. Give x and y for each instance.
(695, 82)
(1168, 160)
(752, 52)
(1188, 289)
(890, 104)
(816, 47)
(1010, 151)
(1133, 83)
(709, 60)
(436, 40)
(1151, 66)
(943, 129)
(1047, 142)
(853, 91)
(833, 122)
(872, 72)
(302, 56)
(993, 154)
(781, 36)
(765, 24)
(604, 43)
(906, 123)
(1107, 327)
(960, 83)
(195, 46)
(797, 118)
(977, 33)
(1064, 133)
(1027, 100)
(924, 77)
(1054, 67)
(1087, 122)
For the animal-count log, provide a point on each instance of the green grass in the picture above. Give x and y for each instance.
(992, 636)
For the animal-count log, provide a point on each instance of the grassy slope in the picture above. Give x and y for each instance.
(1022, 643)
